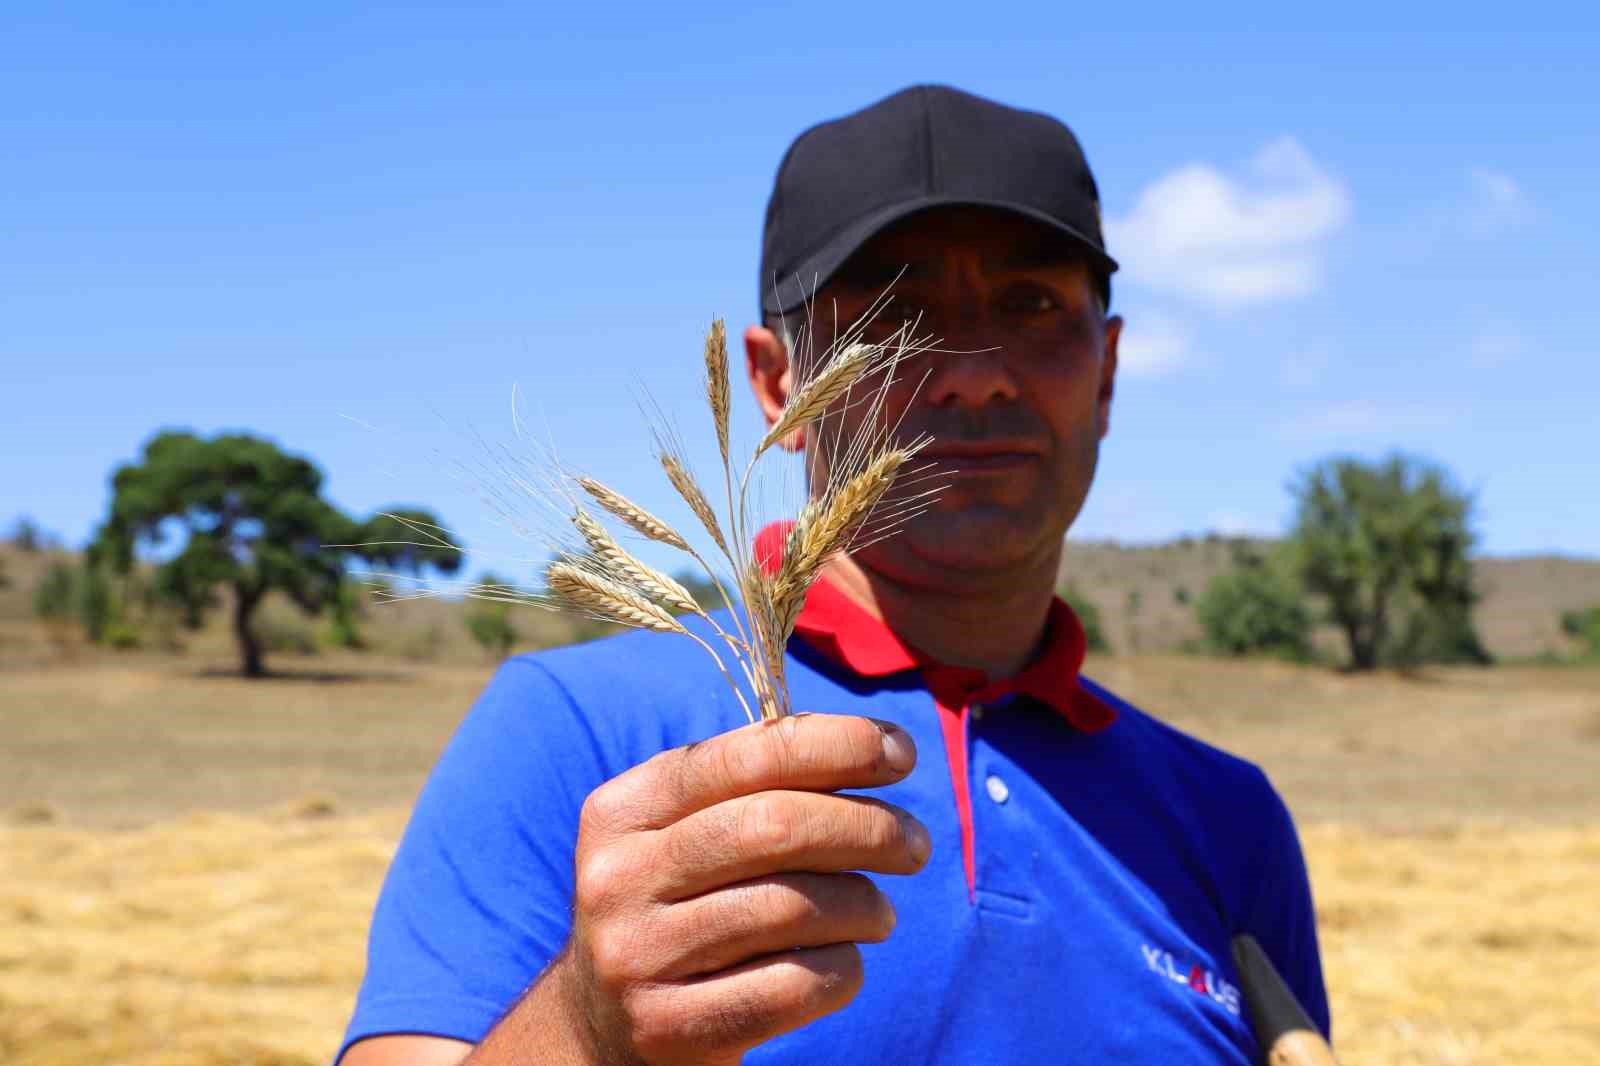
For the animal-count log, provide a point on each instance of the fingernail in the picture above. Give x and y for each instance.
(898, 747)
(918, 843)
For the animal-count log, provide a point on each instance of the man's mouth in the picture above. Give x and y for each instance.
(979, 458)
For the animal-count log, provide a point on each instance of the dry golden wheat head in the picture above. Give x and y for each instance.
(830, 527)
(807, 403)
(604, 579)
(636, 517)
(606, 598)
(622, 565)
(717, 382)
(695, 497)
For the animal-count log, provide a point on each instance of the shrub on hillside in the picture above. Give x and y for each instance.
(82, 594)
(345, 609)
(280, 629)
(1255, 610)
(1089, 614)
(1584, 627)
(489, 621)
(491, 627)
(27, 536)
(422, 643)
(1442, 633)
(55, 596)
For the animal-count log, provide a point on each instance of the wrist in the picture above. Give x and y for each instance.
(595, 1024)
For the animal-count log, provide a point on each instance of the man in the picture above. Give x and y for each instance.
(1063, 873)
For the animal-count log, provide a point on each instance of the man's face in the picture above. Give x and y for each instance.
(1015, 400)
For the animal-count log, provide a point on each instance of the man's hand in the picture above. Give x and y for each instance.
(715, 904)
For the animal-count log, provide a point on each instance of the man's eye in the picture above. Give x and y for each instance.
(900, 309)
(893, 314)
(1029, 299)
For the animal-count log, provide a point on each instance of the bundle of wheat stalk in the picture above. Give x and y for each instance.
(860, 485)
(850, 474)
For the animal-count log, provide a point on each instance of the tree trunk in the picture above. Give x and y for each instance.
(1363, 651)
(244, 605)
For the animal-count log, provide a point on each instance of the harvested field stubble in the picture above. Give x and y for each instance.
(1452, 824)
(206, 940)
(225, 939)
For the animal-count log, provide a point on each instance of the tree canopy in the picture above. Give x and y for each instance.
(1387, 545)
(250, 518)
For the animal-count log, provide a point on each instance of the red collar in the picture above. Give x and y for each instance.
(850, 636)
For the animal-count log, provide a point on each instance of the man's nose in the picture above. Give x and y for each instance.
(969, 371)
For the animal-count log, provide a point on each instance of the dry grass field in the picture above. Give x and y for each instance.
(189, 859)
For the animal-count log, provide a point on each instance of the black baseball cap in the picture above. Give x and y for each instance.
(843, 181)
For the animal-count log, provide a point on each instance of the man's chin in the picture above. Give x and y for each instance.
(972, 541)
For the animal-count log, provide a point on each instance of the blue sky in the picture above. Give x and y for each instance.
(271, 217)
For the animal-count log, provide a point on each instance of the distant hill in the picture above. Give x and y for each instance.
(1141, 592)
(1145, 595)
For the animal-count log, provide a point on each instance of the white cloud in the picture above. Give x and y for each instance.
(1496, 204)
(1232, 242)
(1153, 346)
(1363, 418)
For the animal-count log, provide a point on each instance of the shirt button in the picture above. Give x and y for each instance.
(977, 711)
(997, 789)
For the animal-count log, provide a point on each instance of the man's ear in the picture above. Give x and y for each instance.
(1108, 372)
(771, 376)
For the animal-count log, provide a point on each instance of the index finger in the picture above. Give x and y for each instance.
(812, 752)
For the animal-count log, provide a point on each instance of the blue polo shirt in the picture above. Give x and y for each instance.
(1090, 864)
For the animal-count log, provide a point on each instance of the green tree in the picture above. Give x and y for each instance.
(1255, 608)
(345, 609)
(1584, 627)
(489, 621)
(1088, 613)
(1388, 544)
(27, 536)
(85, 595)
(249, 518)
(407, 541)
(55, 597)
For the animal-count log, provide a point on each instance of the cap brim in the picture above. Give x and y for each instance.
(784, 294)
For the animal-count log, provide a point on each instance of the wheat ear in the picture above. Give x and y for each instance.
(717, 382)
(681, 480)
(578, 586)
(617, 561)
(828, 528)
(608, 599)
(636, 517)
(812, 399)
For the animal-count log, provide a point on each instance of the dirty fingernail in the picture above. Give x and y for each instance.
(898, 747)
(918, 843)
